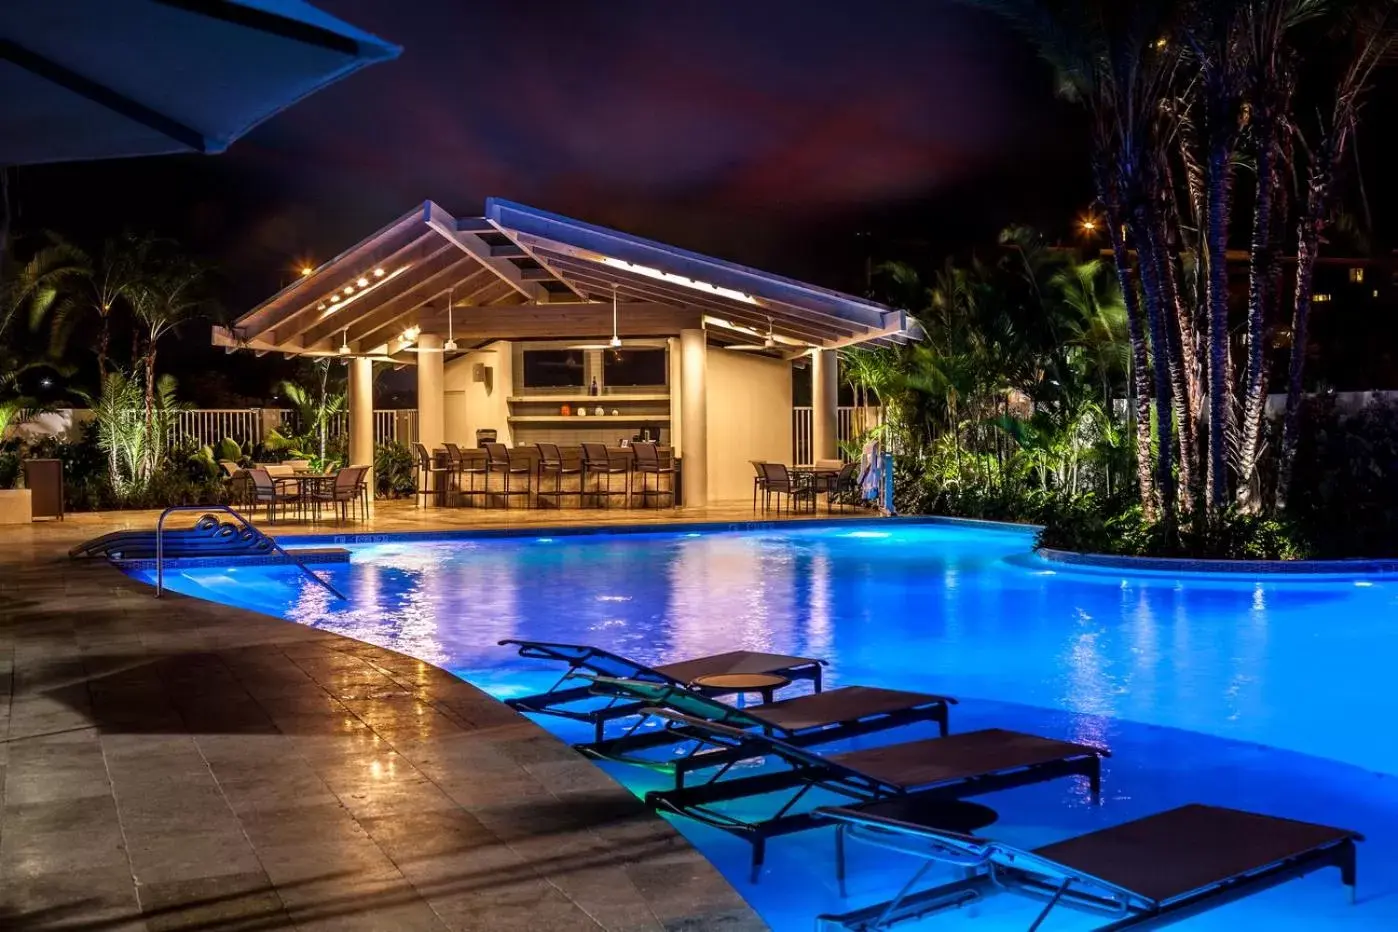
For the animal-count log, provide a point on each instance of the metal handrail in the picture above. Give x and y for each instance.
(160, 546)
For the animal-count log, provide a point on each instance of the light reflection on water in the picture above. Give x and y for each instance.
(1205, 688)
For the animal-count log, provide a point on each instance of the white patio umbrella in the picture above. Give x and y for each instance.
(92, 79)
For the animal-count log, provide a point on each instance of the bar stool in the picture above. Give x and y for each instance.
(501, 459)
(597, 462)
(551, 464)
(648, 464)
(425, 473)
(459, 468)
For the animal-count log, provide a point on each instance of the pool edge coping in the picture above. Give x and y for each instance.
(1351, 567)
(676, 527)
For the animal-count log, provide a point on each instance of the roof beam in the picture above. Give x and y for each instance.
(479, 249)
(394, 319)
(401, 234)
(314, 324)
(445, 269)
(475, 225)
(792, 331)
(807, 331)
(594, 241)
(541, 260)
(578, 257)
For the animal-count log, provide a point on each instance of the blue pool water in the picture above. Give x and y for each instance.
(1272, 694)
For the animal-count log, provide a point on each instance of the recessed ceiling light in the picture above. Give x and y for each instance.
(363, 283)
(349, 289)
(378, 273)
(334, 299)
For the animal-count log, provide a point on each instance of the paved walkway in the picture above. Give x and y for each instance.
(183, 765)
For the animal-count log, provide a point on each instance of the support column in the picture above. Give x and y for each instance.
(431, 385)
(825, 400)
(694, 416)
(361, 419)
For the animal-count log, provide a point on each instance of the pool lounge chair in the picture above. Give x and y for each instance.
(815, 718)
(1140, 875)
(950, 768)
(567, 699)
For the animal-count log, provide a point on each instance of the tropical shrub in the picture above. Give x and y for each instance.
(9, 468)
(1345, 483)
(394, 473)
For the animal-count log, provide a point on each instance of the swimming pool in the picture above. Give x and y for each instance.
(1270, 694)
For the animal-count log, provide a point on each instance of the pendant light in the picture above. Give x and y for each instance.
(616, 340)
(450, 345)
(344, 343)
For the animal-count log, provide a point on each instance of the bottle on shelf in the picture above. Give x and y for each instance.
(593, 389)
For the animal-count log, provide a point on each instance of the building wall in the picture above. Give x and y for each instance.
(749, 412)
(473, 405)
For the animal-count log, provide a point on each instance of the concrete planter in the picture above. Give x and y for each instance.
(15, 507)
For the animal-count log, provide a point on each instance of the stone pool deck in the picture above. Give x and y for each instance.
(176, 764)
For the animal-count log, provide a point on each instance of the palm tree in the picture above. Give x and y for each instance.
(1375, 24)
(104, 287)
(1270, 80)
(1211, 34)
(1110, 57)
(161, 298)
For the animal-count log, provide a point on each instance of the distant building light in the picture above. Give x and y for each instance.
(1356, 274)
(1376, 292)
(1320, 298)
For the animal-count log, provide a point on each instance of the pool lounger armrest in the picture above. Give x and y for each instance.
(966, 764)
(582, 660)
(805, 720)
(1140, 876)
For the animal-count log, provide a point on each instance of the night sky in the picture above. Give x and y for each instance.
(798, 136)
(771, 133)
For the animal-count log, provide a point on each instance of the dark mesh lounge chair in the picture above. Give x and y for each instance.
(572, 696)
(949, 768)
(1140, 875)
(816, 718)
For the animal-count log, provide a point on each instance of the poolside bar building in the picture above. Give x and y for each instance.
(539, 328)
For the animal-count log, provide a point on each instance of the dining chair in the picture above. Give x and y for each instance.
(759, 481)
(779, 482)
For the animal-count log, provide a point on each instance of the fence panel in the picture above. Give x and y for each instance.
(850, 422)
(207, 426)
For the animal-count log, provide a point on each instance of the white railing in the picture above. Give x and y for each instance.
(210, 425)
(207, 426)
(850, 422)
(390, 424)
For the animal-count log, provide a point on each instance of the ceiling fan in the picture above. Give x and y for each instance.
(449, 346)
(770, 343)
(614, 343)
